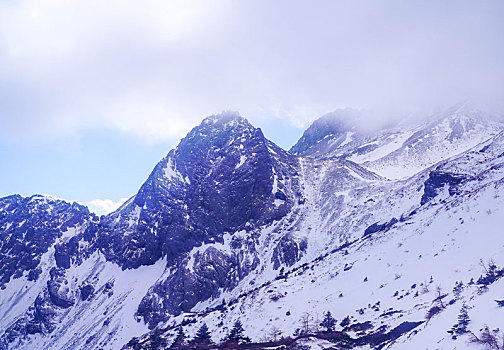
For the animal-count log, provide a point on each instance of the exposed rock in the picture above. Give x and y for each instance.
(288, 251)
(377, 227)
(29, 226)
(86, 291)
(58, 289)
(436, 182)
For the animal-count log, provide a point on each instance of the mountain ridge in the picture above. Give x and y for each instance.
(224, 213)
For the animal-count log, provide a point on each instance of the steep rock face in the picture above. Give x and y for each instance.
(221, 178)
(87, 306)
(41, 317)
(58, 289)
(34, 231)
(38, 319)
(212, 270)
(224, 177)
(199, 214)
(436, 182)
(28, 227)
(288, 251)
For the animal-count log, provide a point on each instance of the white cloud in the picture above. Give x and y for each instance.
(104, 206)
(67, 66)
(155, 68)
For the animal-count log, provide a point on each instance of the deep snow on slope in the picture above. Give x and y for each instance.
(106, 318)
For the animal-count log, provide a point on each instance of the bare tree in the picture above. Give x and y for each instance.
(438, 302)
(316, 323)
(482, 264)
(305, 323)
(275, 334)
(440, 296)
(425, 287)
(488, 338)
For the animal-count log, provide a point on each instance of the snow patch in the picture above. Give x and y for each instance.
(171, 173)
(241, 162)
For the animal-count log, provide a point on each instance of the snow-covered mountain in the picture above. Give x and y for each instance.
(374, 227)
(399, 151)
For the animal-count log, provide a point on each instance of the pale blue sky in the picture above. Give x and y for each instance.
(93, 93)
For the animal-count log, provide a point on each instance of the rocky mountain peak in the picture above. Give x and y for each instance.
(398, 151)
(224, 176)
(225, 119)
(215, 149)
(224, 125)
(332, 125)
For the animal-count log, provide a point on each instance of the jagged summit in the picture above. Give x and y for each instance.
(228, 122)
(226, 118)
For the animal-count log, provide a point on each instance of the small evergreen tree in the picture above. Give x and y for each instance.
(463, 319)
(179, 341)
(328, 322)
(457, 290)
(134, 344)
(156, 340)
(236, 333)
(345, 322)
(203, 335)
